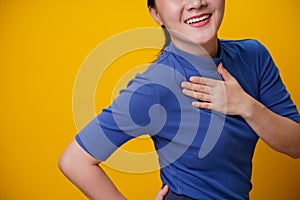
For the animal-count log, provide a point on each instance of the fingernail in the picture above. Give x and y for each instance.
(194, 103)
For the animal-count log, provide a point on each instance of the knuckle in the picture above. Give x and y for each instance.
(207, 106)
(199, 96)
(201, 88)
(193, 87)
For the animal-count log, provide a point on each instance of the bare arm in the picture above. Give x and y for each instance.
(280, 133)
(83, 171)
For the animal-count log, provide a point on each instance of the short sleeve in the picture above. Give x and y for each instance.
(129, 116)
(144, 107)
(272, 91)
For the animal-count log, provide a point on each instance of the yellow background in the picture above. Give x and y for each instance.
(44, 43)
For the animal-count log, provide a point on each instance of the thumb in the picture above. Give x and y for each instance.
(162, 193)
(165, 190)
(223, 72)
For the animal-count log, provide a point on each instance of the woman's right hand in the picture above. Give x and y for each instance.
(162, 193)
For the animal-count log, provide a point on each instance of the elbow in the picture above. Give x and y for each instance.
(67, 162)
(75, 158)
(294, 155)
(68, 165)
(64, 163)
(293, 152)
(67, 159)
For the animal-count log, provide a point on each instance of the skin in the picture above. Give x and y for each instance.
(84, 171)
(226, 96)
(173, 15)
(284, 137)
(163, 192)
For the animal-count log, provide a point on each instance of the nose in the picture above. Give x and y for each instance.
(195, 4)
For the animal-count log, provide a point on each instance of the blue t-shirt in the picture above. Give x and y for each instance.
(203, 154)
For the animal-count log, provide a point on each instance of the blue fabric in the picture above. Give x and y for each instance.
(173, 196)
(203, 154)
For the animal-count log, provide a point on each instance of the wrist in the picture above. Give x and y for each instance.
(250, 108)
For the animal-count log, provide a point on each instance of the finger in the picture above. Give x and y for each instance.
(165, 190)
(223, 72)
(203, 81)
(195, 87)
(162, 193)
(202, 105)
(197, 95)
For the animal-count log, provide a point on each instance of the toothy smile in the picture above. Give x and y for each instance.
(197, 19)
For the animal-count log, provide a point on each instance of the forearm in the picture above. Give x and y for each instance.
(94, 183)
(280, 133)
(83, 171)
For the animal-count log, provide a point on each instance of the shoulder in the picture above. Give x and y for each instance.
(164, 69)
(244, 44)
(246, 48)
(162, 59)
(158, 78)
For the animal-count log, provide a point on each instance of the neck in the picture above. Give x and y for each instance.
(211, 48)
(206, 50)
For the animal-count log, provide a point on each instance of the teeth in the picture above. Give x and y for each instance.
(199, 19)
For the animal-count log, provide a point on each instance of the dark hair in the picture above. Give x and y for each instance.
(151, 3)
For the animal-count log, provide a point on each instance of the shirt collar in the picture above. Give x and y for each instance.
(206, 66)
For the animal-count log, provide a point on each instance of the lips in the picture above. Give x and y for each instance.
(197, 19)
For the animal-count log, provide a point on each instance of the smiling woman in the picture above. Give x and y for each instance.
(43, 45)
(233, 86)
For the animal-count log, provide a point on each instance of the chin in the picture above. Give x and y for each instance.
(206, 40)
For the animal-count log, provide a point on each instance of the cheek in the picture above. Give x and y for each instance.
(219, 9)
(220, 6)
(170, 11)
(219, 2)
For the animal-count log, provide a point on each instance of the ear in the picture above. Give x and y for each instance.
(155, 15)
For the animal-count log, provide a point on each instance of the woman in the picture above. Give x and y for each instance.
(206, 139)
